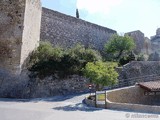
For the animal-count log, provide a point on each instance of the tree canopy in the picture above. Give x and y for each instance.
(119, 45)
(101, 73)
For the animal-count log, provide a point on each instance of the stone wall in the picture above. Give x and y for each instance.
(139, 40)
(65, 31)
(155, 44)
(132, 99)
(31, 30)
(13, 86)
(129, 99)
(136, 69)
(11, 28)
(134, 95)
(19, 31)
(51, 86)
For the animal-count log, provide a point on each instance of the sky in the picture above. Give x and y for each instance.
(120, 15)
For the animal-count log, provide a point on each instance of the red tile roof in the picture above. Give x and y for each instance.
(150, 86)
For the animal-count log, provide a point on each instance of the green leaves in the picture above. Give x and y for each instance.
(119, 45)
(102, 73)
(48, 60)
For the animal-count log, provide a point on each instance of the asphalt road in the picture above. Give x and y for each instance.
(63, 108)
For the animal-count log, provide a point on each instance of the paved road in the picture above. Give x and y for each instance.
(62, 108)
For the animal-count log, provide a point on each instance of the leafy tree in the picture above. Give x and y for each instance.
(101, 73)
(44, 52)
(126, 59)
(45, 60)
(84, 55)
(119, 45)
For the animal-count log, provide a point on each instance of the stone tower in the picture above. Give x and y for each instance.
(20, 22)
(158, 31)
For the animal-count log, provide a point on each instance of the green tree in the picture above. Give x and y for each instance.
(101, 73)
(119, 45)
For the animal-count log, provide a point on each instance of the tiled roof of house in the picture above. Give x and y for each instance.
(150, 86)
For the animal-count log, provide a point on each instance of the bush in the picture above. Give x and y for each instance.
(83, 55)
(101, 73)
(142, 57)
(44, 61)
(47, 60)
(126, 59)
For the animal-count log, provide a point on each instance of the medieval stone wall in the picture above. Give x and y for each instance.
(31, 31)
(136, 69)
(65, 31)
(19, 32)
(11, 28)
(13, 86)
(139, 40)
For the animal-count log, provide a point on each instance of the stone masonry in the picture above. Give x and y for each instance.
(66, 31)
(19, 32)
(139, 40)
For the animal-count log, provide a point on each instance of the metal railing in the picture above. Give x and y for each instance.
(133, 81)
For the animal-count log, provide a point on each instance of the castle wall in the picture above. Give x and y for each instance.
(139, 40)
(19, 32)
(137, 69)
(31, 32)
(11, 27)
(66, 31)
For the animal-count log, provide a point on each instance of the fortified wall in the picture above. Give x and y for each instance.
(66, 31)
(19, 32)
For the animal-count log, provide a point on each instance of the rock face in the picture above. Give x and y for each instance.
(66, 31)
(19, 32)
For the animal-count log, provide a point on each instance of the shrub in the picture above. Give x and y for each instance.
(101, 73)
(142, 57)
(47, 60)
(84, 55)
(118, 46)
(126, 59)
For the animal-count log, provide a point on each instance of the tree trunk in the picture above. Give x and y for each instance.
(119, 55)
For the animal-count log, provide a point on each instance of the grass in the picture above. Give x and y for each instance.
(101, 97)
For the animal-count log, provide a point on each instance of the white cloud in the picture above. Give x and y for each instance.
(97, 6)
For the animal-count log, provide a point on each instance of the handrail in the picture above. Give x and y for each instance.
(133, 81)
